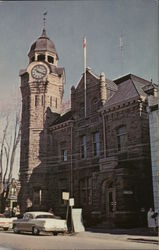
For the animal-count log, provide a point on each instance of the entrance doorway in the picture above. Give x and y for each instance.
(110, 201)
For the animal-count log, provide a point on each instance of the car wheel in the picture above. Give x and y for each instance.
(35, 231)
(5, 228)
(15, 229)
(54, 233)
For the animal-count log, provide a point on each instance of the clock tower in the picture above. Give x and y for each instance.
(42, 88)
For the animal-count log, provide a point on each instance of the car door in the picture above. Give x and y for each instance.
(29, 224)
(23, 224)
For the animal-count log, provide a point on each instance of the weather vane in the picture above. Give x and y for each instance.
(44, 18)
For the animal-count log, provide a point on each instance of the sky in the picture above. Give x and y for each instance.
(103, 22)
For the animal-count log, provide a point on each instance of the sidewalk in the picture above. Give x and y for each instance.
(134, 234)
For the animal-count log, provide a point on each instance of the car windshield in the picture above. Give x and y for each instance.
(44, 216)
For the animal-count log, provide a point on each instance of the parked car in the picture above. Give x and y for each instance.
(37, 222)
(5, 222)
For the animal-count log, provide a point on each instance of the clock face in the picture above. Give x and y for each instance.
(38, 71)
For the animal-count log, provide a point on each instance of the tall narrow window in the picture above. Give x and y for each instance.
(56, 102)
(86, 191)
(50, 101)
(64, 155)
(122, 138)
(83, 147)
(37, 196)
(36, 100)
(42, 100)
(96, 149)
(63, 151)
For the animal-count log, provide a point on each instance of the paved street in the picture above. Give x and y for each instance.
(86, 240)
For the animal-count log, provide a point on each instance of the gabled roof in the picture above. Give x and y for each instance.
(110, 84)
(63, 118)
(129, 87)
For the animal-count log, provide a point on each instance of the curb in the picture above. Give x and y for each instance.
(143, 240)
(123, 237)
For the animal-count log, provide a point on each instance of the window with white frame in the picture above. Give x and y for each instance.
(96, 144)
(83, 147)
(122, 138)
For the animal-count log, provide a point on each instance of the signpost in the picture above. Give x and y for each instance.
(65, 197)
(71, 203)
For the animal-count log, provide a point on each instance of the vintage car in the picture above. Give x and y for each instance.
(37, 222)
(5, 222)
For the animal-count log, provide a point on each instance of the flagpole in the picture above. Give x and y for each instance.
(84, 57)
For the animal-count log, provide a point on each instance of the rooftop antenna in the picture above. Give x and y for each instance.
(122, 53)
(44, 24)
(44, 19)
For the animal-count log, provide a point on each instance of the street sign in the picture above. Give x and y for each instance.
(71, 202)
(127, 192)
(65, 195)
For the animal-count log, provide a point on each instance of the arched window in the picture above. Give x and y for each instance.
(122, 138)
(50, 59)
(41, 57)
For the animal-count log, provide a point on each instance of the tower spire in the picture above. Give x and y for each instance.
(44, 24)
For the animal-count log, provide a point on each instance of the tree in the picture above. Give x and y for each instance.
(8, 149)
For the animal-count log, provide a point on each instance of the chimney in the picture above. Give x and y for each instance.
(103, 91)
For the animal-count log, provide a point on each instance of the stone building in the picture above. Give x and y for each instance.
(102, 159)
(153, 111)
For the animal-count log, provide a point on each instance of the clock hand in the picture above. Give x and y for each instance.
(40, 72)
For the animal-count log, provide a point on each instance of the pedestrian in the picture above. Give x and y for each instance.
(151, 220)
(51, 211)
(17, 211)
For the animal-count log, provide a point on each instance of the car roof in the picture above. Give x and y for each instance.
(39, 213)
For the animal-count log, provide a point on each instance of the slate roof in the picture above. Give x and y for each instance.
(63, 118)
(56, 70)
(43, 43)
(110, 84)
(129, 86)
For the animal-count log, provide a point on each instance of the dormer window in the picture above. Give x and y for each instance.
(50, 59)
(41, 57)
